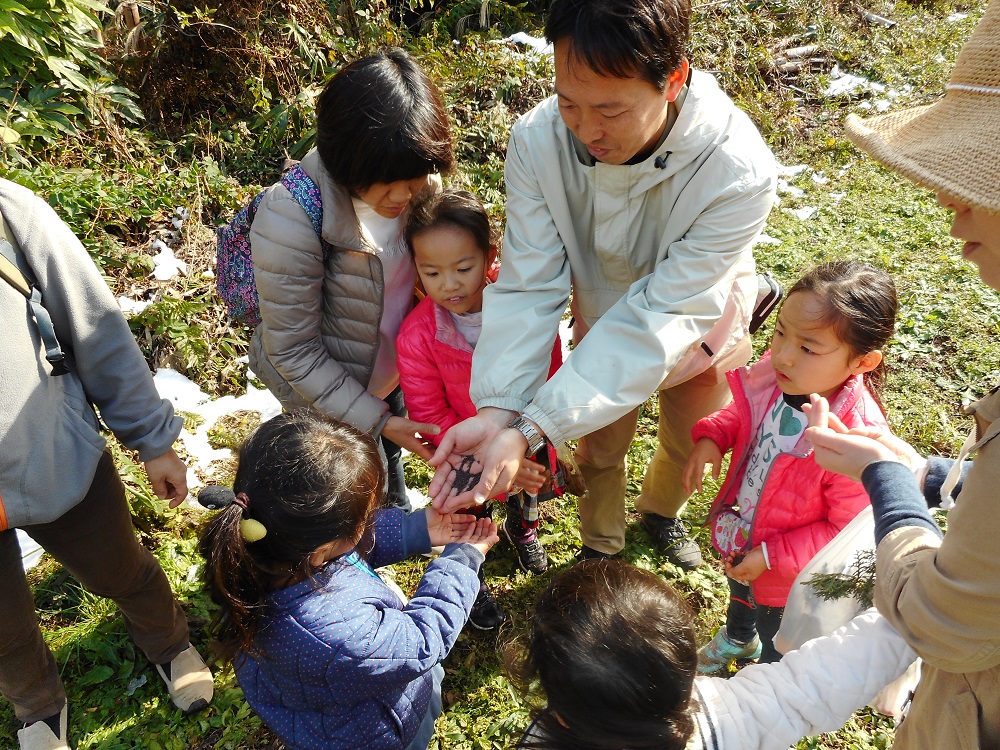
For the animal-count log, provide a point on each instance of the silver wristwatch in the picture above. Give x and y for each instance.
(536, 440)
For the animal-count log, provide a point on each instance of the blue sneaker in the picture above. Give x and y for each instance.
(720, 652)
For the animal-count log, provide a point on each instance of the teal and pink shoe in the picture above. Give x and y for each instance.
(720, 652)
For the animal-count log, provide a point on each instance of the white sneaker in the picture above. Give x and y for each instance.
(38, 736)
(189, 681)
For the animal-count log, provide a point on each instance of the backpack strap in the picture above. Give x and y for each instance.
(10, 272)
(306, 193)
(19, 276)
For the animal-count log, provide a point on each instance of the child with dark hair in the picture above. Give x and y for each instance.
(331, 304)
(326, 653)
(777, 507)
(611, 650)
(452, 243)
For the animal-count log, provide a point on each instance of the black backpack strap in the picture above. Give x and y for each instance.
(19, 276)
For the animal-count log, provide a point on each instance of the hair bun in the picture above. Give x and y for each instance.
(215, 497)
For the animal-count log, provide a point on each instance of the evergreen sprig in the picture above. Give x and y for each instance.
(858, 582)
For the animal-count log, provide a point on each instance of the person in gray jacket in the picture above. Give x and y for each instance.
(58, 483)
(331, 305)
(638, 189)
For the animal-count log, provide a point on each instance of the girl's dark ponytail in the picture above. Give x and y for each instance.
(303, 480)
(234, 581)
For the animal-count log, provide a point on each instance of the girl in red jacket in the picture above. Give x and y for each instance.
(777, 507)
(455, 255)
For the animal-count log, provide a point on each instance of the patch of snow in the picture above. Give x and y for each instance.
(793, 170)
(540, 46)
(186, 396)
(565, 336)
(838, 197)
(956, 17)
(132, 307)
(803, 214)
(765, 239)
(165, 264)
(785, 187)
(135, 683)
(842, 83)
(180, 390)
(31, 553)
(417, 498)
(819, 178)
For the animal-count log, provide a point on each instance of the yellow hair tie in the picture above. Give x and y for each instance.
(252, 530)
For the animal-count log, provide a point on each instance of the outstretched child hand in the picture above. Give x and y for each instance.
(482, 535)
(445, 528)
(749, 568)
(705, 452)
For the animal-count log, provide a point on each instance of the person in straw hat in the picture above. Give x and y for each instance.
(942, 595)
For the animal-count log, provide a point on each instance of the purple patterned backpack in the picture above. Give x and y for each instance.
(234, 264)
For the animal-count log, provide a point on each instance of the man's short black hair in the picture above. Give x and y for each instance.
(623, 38)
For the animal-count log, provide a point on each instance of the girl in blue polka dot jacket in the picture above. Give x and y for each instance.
(326, 653)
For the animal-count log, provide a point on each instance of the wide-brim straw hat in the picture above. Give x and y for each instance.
(952, 146)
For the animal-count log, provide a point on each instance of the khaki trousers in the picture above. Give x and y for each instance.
(601, 455)
(96, 543)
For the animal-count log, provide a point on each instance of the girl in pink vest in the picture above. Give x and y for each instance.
(453, 249)
(777, 507)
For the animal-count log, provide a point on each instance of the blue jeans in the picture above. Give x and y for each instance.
(426, 730)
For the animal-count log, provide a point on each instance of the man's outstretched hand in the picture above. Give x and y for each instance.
(477, 459)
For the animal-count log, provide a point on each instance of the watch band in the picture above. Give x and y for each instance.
(536, 440)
